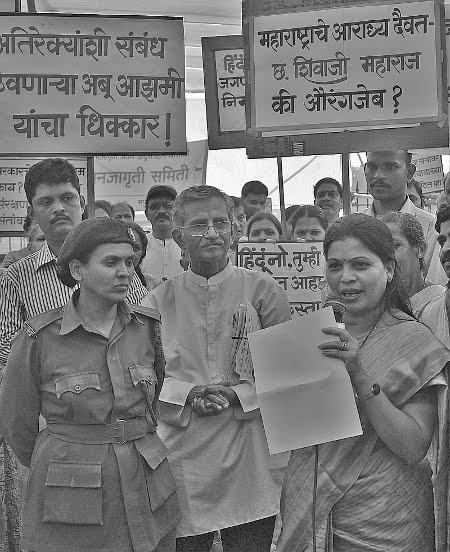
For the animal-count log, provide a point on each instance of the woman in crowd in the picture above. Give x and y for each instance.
(99, 478)
(102, 208)
(308, 223)
(374, 492)
(140, 251)
(123, 211)
(36, 240)
(410, 247)
(264, 226)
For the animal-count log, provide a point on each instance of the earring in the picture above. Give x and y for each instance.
(389, 277)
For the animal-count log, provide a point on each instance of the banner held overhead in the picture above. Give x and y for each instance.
(91, 85)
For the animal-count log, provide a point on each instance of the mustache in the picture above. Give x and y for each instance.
(59, 217)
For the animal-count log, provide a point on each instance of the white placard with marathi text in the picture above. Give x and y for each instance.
(13, 201)
(128, 178)
(429, 172)
(297, 267)
(231, 89)
(346, 67)
(92, 85)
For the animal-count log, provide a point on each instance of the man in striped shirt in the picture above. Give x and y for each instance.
(31, 285)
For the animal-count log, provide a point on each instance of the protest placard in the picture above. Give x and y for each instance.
(91, 85)
(13, 201)
(298, 267)
(128, 178)
(314, 74)
(223, 70)
(429, 172)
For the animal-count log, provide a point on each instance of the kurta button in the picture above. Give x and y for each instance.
(77, 387)
(210, 322)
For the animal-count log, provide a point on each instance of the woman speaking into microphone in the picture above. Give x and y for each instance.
(374, 493)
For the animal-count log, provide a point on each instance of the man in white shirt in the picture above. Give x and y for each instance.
(387, 175)
(208, 407)
(163, 254)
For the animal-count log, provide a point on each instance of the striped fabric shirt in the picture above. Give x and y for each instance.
(30, 287)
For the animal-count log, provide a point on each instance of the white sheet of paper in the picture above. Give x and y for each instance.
(305, 398)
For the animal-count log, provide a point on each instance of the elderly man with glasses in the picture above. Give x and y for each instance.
(208, 407)
(163, 256)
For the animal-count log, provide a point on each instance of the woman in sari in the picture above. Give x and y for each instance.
(374, 493)
(309, 223)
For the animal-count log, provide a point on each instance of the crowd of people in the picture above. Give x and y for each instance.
(126, 422)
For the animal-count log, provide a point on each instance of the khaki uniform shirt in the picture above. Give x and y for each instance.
(87, 493)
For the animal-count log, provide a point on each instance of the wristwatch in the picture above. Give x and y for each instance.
(374, 391)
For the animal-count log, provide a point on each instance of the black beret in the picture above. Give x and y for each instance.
(85, 237)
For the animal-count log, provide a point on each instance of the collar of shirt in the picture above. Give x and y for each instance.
(159, 243)
(215, 280)
(44, 256)
(407, 207)
(71, 317)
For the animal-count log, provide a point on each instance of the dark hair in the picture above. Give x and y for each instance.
(254, 187)
(263, 215)
(311, 211)
(237, 201)
(328, 180)
(376, 236)
(28, 222)
(52, 170)
(126, 205)
(102, 204)
(410, 227)
(443, 215)
(418, 187)
(140, 232)
(289, 211)
(407, 154)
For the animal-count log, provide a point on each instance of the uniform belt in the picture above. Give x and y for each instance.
(121, 431)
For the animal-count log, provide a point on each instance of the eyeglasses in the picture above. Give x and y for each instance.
(199, 230)
(167, 205)
(329, 193)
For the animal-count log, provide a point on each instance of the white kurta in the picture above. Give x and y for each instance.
(221, 463)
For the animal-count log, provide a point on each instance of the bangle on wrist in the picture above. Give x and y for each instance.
(373, 392)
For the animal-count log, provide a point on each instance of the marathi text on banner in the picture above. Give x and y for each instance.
(298, 267)
(92, 85)
(128, 178)
(344, 68)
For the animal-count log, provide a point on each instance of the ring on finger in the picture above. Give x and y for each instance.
(343, 345)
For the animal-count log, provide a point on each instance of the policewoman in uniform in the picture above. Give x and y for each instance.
(99, 478)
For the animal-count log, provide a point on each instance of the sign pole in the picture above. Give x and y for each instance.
(281, 192)
(345, 165)
(90, 193)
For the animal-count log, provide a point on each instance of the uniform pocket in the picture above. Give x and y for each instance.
(160, 481)
(73, 493)
(77, 383)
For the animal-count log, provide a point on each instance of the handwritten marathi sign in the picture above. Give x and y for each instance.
(13, 201)
(223, 70)
(128, 178)
(344, 68)
(89, 85)
(297, 267)
(429, 172)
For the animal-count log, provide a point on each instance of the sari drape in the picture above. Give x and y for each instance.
(378, 502)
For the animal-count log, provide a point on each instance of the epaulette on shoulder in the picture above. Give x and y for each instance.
(146, 311)
(33, 325)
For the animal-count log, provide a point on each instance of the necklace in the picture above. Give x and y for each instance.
(361, 341)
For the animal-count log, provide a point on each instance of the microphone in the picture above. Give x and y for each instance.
(338, 309)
